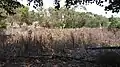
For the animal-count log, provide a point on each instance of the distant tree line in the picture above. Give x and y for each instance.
(62, 18)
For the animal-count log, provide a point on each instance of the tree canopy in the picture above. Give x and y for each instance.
(10, 5)
(114, 5)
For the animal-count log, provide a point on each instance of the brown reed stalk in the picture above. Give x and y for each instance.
(50, 42)
(72, 39)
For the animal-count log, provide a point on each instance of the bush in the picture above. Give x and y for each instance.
(3, 24)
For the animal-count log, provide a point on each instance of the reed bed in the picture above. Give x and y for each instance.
(60, 38)
(44, 41)
(55, 40)
(95, 35)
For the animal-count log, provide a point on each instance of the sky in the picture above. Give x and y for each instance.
(90, 8)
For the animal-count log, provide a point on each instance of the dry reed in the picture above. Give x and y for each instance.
(58, 39)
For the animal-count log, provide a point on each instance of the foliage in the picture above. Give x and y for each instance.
(62, 18)
(25, 16)
(114, 5)
(71, 19)
(3, 24)
(10, 5)
(115, 22)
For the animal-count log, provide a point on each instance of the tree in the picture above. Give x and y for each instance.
(23, 15)
(10, 5)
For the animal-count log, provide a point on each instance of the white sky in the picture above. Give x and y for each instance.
(90, 8)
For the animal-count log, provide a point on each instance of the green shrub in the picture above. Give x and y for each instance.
(3, 25)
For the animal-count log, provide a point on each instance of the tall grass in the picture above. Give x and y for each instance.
(65, 42)
(51, 39)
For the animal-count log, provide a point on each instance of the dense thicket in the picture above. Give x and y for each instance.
(8, 7)
(57, 18)
(62, 18)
